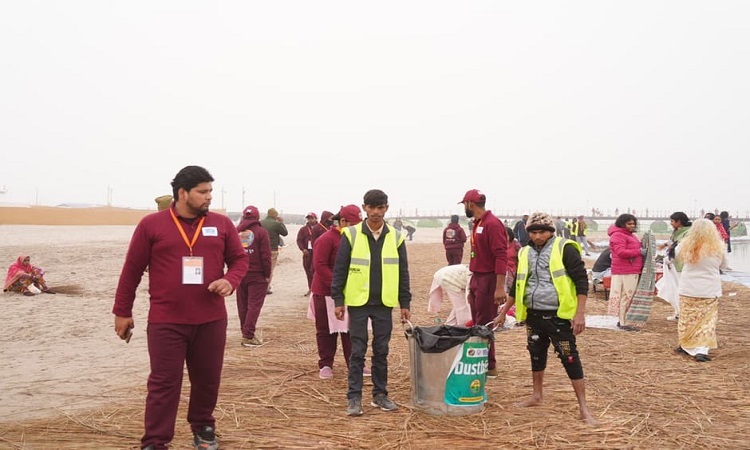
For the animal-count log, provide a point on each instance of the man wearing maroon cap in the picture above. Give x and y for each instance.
(488, 263)
(305, 244)
(327, 328)
(251, 294)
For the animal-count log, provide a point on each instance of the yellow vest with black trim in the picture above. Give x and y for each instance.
(566, 289)
(357, 289)
(575, 226)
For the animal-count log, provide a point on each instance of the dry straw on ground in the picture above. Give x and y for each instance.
(643, 395)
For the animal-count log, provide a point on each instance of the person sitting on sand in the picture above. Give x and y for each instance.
(22, 274)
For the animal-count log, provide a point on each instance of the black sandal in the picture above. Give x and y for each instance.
(700, 357)
(681, 351)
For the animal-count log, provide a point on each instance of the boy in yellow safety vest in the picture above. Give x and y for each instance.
(370, 278)
(550, 293)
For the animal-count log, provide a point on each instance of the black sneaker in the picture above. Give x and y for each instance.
(354, 407)
(384, 403)
(205, 439)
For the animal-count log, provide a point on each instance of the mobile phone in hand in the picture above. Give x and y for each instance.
(128, 335)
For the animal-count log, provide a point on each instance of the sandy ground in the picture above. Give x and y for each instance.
(60, 351)
(64, 369)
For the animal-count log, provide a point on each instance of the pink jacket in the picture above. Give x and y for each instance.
(626, 251)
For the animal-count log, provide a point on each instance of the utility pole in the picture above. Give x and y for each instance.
(243, 198)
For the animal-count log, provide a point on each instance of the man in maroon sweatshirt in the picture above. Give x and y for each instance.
(185, 248)
(252, 291)
(324, 257)
(305, 245)
(454, 238)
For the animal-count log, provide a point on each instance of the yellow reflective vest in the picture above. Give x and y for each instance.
(564, 286)
(357, 289)
(576, 226)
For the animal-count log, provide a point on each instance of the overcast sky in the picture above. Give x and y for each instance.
(556, 106)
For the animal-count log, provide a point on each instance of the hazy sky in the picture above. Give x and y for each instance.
(307, 104)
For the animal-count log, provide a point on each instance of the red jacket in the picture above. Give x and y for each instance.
(158, 245)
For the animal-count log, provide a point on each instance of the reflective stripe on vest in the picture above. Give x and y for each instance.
(564, 286)
(357, 289)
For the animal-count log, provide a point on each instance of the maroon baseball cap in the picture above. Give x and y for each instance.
(473, 195)
(251, 212)
(311, 215)
(351, 213)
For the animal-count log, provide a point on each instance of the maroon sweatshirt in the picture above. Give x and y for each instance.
(305, 237)
(489, 245)
(257, 245)
(454, 236)
(158, 245)
(324, 256)
(320, 228)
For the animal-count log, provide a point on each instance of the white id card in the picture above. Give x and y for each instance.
(309, 245)
(192, 270)
(479, 230)
(210, 231)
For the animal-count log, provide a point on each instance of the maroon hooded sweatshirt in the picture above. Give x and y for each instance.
(257, 246)
(454, 237)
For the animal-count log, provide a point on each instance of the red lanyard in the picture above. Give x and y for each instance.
(190, 244)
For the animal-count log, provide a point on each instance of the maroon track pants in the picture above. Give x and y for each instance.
(325, 339)
(251, 295)
(170, 347)
(482, 304)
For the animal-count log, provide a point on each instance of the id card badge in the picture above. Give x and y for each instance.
(309, 245)
(192, 270)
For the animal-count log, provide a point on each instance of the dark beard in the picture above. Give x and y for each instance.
(469, 213)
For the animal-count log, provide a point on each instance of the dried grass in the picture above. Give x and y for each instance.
(644, 396)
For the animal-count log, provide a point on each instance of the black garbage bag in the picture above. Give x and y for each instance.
(440, 338)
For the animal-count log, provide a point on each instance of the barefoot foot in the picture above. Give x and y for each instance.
(588, 418)
(531, 401)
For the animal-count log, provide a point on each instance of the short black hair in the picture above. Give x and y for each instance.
(454, 218)
(375, 197)
(188, 178)
(511, 234)
(622, 219)
(681, 217)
